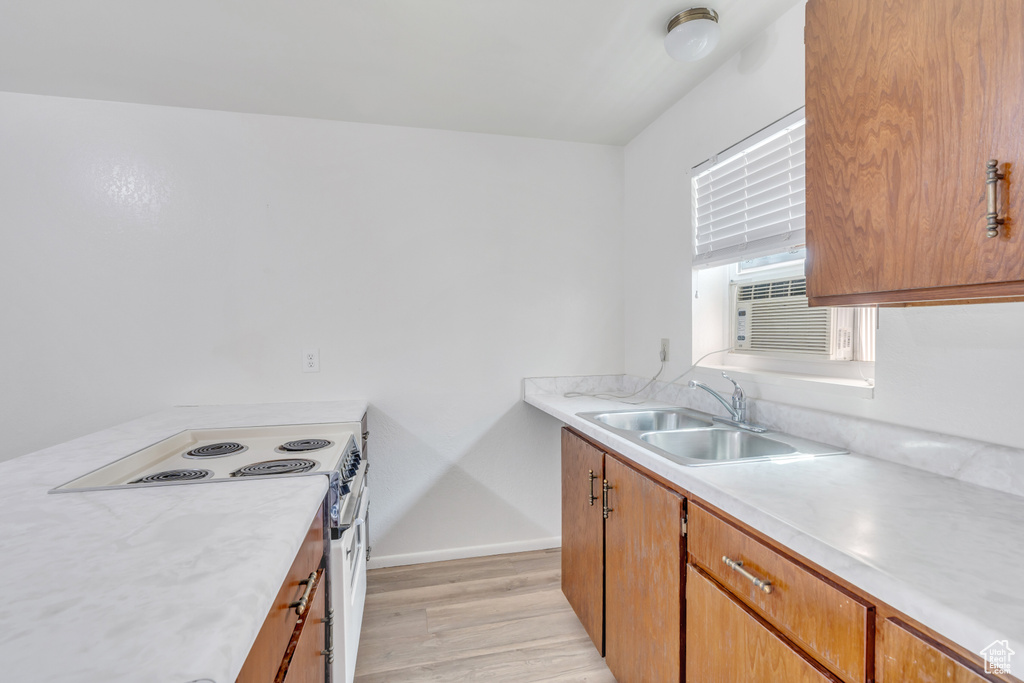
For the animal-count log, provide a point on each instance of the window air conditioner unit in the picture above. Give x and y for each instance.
(772, 317)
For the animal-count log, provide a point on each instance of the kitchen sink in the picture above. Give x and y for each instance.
(717, 445)
(651, 420)
(692, 438)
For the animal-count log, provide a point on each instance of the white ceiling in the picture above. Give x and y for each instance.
(584, 70)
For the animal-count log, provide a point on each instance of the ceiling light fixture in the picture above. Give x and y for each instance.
(692, 34)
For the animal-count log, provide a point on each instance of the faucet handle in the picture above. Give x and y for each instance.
(738, 390)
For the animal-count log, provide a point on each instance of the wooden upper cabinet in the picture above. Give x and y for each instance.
(907, 100)
(644, 556)
(583, 533)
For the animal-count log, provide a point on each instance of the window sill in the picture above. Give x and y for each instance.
(836, 386)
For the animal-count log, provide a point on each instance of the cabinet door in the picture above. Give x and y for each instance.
(583, 533)
(905, 658)
(907, 100)
(726, 643)
(644, 556)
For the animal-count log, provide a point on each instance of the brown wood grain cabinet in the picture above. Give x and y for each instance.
(671, 588)
(277, 646)
(623, 575)
(907, 100)
(904, 657)
(644, 559)
(583, 533)
(829, 623)
(306, 662)
(728, 643)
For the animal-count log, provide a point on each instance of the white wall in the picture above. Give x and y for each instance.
(953, 369)
(155, 256)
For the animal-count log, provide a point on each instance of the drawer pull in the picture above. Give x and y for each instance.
(605, 488)
(592, 496)
(300, 604)
(737, 565)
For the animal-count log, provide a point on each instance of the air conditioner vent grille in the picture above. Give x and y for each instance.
(773, 290)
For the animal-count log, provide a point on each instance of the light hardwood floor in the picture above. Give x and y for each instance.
(500, 618)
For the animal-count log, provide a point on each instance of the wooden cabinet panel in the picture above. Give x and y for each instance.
(271, 644)
(907, 100)
(308, 663)
(905, 658)
(583, 533)
(644, 557)
(829, 623)
(727, 643)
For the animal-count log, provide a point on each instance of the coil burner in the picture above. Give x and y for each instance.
(173, 476)
(216, 450)
(304, 445)
(270, 467)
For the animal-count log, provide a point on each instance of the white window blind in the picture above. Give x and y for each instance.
(749, 200)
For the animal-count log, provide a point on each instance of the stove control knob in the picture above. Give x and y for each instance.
(345, 490)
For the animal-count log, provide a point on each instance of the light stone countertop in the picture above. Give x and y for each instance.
(157, 584)
(946, 553)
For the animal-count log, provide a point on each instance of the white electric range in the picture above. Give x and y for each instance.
(239, 454)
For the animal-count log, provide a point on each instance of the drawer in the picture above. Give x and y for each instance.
(725, 642)
(826, 621)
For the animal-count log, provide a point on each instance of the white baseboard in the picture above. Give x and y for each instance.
(462, 553)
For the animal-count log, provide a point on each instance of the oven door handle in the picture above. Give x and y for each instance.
(359, 521)
(351, 512)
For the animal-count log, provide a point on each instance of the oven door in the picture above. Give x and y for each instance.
(348, 562)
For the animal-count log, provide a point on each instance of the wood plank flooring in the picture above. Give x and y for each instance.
(500, 618)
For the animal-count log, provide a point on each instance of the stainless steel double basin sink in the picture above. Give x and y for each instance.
(692, 438)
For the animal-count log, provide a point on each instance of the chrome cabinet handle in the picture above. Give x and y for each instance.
(591, 494)
(992, 178)
(737, 565)
(300, 604)
(605, 488)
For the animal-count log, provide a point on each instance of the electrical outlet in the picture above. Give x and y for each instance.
(311, 360)
(664, 350)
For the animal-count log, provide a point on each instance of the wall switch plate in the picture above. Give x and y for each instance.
(664, 350)
(311, 360)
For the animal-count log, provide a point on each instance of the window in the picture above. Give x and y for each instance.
(748, 222)
(749, 200)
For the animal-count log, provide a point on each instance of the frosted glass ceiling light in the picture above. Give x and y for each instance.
(692, 34)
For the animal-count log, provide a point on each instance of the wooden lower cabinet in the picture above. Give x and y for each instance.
(906, 658)
(658, 619)
(827, 622)
(644, 559)
(277, 644)
(623, 575)
(583, 533)
(727, 643)
(306, 664)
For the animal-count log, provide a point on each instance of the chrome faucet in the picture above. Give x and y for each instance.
(737, 409)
